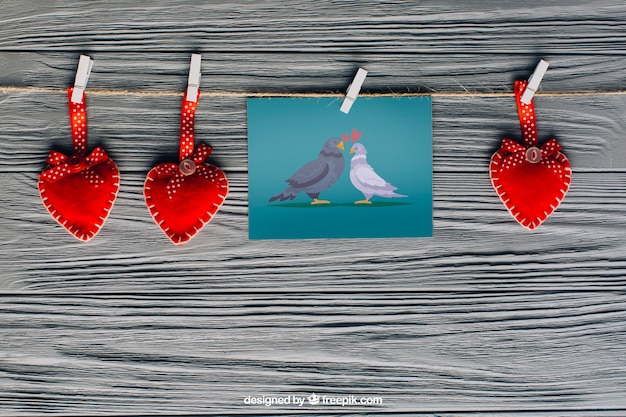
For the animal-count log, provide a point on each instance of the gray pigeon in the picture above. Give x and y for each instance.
(318, 175)
(365, 179)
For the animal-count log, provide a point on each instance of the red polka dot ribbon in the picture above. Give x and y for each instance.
(62, 165)
(189, 158)
(79, 190)
(187, 118)
(530, 180)
(526, 113)
(184, 197)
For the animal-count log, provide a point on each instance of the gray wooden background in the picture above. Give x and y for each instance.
(482, 319)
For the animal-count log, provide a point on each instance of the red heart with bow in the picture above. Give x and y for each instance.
(530, 181)
(183, 197)
(80, 190)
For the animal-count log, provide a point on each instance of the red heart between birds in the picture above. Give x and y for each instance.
(182, 204)
(530, 181)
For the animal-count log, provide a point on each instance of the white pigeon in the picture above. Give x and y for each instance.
(365, 179)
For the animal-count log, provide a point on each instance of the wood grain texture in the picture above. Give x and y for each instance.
(203, 354)
(297, 71)
(482, 319)
(384, 27)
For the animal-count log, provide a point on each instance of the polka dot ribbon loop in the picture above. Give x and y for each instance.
(62, 165)
(191, 160)
(187, 118)
(78, 123)
(526, 113)
(516, 154)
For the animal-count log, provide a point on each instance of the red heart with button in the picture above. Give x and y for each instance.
(80, 190)
(530, 181)
(182, 198)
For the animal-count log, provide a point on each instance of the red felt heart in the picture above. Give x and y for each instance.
(81, 201)
(531, 191)
(183, 198)
(80, 190)
(530, 181)
(182, 204)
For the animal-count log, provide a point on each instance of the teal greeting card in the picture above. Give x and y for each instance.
(315, 172)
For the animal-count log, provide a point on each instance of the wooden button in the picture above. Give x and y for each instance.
(533, 154)
(187, 167)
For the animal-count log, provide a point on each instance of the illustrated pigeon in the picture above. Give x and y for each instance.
(365, 179)
(318, 175)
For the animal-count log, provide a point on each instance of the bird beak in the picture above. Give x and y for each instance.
(340, 146)
(351, 151)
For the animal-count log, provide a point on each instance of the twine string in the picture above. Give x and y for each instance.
(268, 94)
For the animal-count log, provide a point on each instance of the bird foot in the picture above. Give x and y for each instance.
(363, 202)
(316, 201)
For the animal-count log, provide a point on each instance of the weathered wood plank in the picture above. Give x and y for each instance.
(203, 354)
(476, 245)
(596, 27)
(482, 319)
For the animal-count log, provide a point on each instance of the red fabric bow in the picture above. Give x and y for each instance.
(516, 154)
(174, 171)
(63, 165)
